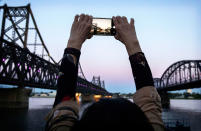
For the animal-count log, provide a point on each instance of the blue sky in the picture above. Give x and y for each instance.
(168, 31)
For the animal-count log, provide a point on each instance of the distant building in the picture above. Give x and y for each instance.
(179, 97)
(189, 91)
(43, 95)
(53, 94)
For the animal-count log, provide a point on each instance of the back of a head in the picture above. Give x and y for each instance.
(113, 114)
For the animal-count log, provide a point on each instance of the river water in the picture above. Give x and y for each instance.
(34, 118)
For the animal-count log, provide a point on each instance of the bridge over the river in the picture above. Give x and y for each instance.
(181, 75)
(25, 60)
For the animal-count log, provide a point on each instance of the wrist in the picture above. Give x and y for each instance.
(74, 44)
(133, 47)
(73, 53)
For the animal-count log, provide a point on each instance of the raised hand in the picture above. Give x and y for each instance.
(80, 31)
(125, 32)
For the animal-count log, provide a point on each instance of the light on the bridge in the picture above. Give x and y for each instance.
(77, 96)
(97, 97)
(3, 59)
(29, 68)
(18, 64)
(108, 96)
(83, 85)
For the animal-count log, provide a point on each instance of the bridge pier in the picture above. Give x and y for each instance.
(14, 98)
(165, 100)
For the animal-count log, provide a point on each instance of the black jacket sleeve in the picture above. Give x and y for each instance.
(141, 71)
(68, 73)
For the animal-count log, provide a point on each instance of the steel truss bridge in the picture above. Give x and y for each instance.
(181, 75)
(24, 56)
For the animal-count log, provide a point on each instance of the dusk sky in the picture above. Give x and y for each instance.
(168, 31)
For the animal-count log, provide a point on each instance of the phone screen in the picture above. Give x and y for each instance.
(102, 26)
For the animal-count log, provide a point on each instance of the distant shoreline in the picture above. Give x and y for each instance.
(42, 97)
(184, 99)
(170, 99)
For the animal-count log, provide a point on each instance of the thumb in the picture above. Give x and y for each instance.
(116, 36)
(90, 36)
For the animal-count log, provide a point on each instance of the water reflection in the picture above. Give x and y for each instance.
(186, 105)
(33, 119)
(187, 110)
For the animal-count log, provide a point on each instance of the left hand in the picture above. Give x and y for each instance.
(80, 31)
(125, 32)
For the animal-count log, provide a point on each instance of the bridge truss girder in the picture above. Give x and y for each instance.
(180, 75)
(19, 66)
(17, 24)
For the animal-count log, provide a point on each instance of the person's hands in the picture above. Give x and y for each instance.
(125, 32)
(80, 31)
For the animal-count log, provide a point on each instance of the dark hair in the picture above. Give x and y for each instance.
(115, 114)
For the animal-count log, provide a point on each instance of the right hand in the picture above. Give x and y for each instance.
(125, 32)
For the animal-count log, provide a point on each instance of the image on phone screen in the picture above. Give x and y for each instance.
(102, 26)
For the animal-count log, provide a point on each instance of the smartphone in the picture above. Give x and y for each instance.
(103, 26)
